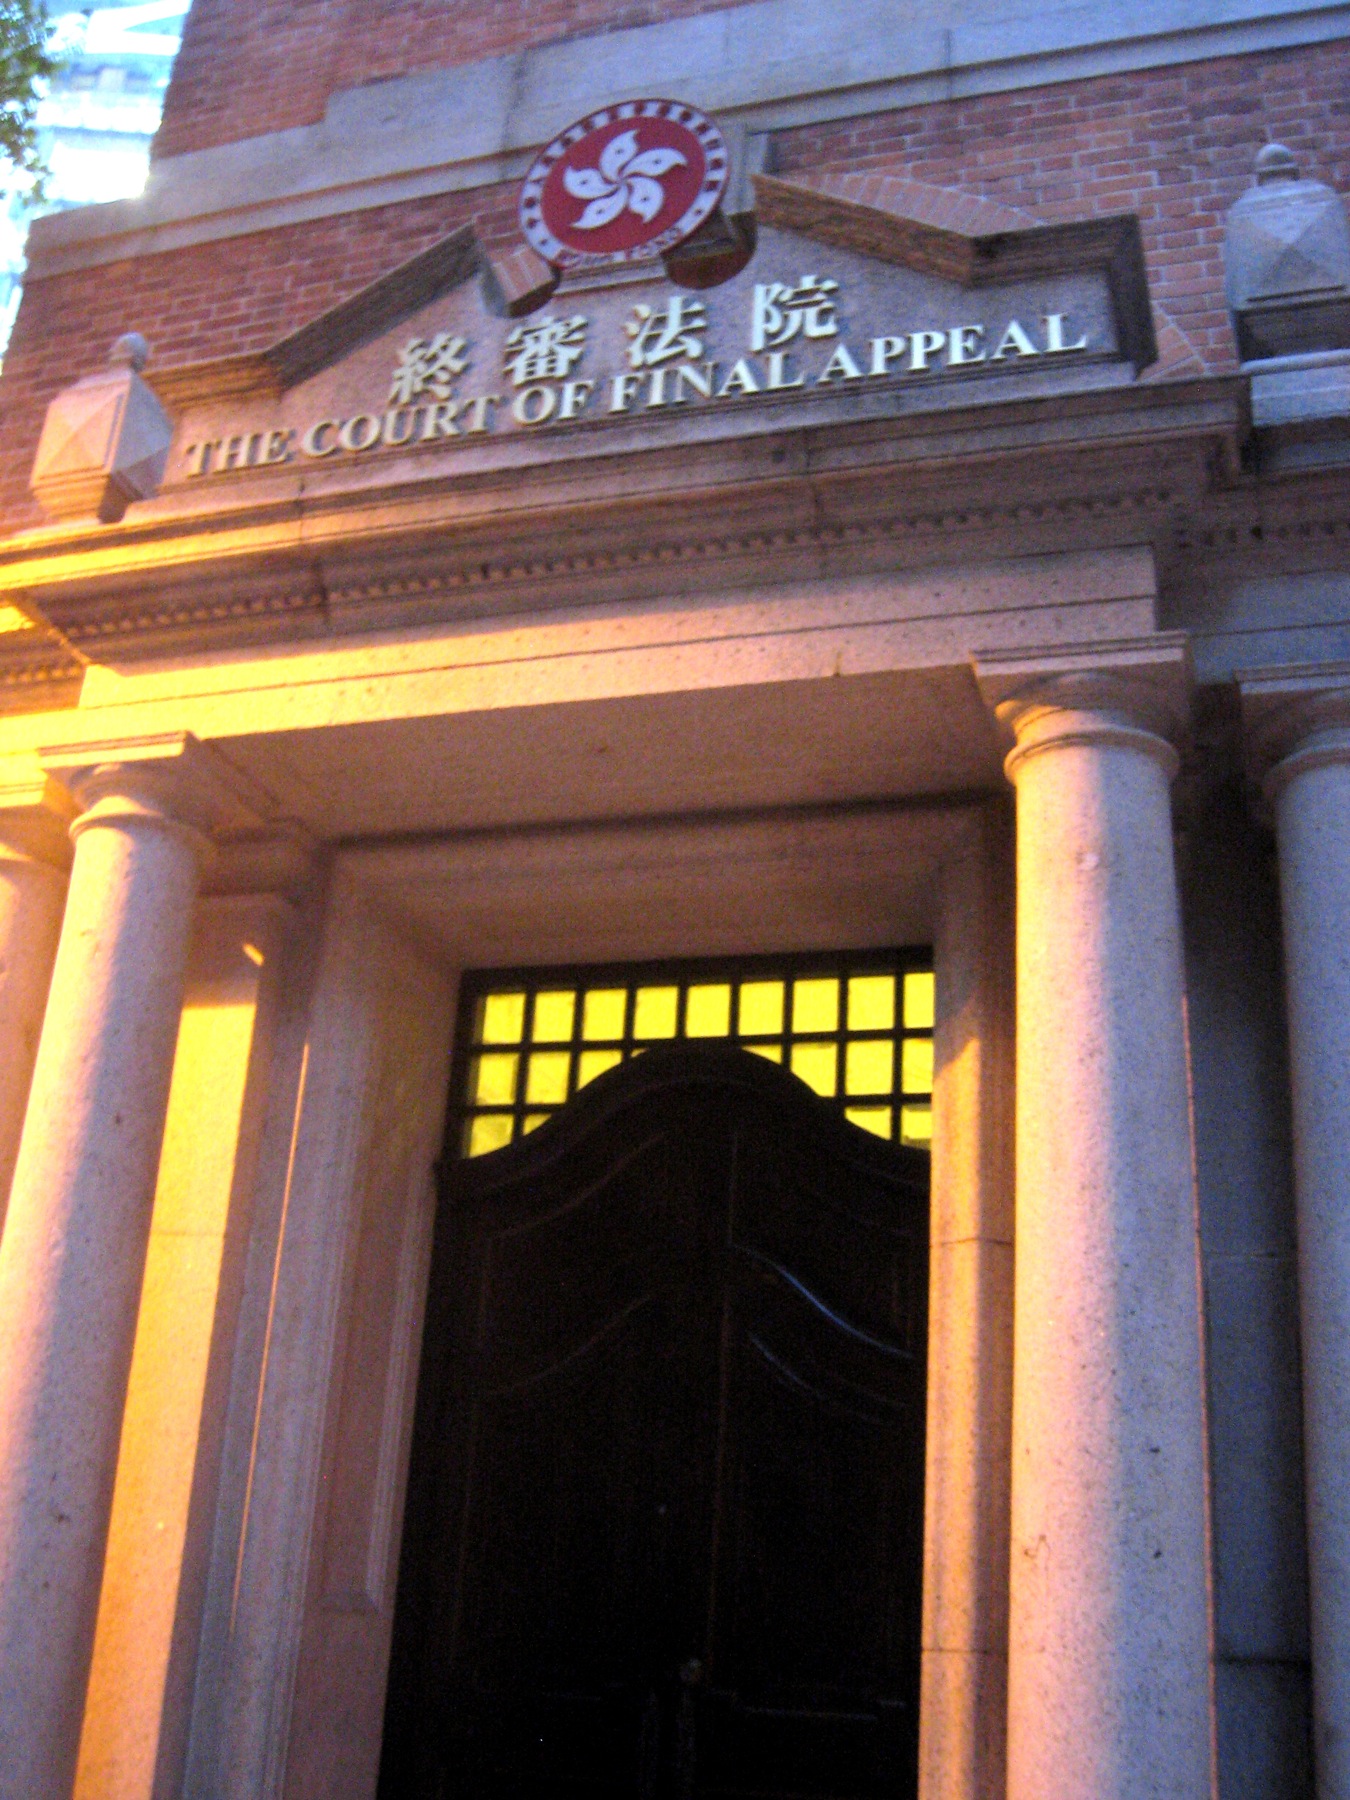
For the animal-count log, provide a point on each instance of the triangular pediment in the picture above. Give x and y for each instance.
(955, 237)
(968, 240)
(866, 298)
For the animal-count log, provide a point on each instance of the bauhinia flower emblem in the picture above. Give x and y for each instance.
(626, 178)
(628, 181)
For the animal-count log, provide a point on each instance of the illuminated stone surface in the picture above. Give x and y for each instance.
(1108, 1678)
(73, 1250)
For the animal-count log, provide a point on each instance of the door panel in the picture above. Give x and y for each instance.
(665, 1513)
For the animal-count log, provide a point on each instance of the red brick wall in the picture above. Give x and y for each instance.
(249, 66)
(1175, 146)
(212, 300)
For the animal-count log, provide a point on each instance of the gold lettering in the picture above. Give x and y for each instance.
(392, 435)
(477, 413)
(778, 377)
(885, 351)
(234, 451)
(575, 394)
(280, 446)
(534, 404)
(372, 426)
(1054, 335)
(440, 420)
(841, 366)
(700, 377)
(922, 345)
(199, 456)
(622, 392)
(963, 345)
(310, 443)
(684, 376)
(740, 380)
(1014, 338)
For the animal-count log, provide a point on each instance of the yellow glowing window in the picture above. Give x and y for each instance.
(815, 1005)
(503, 1019)
(494, 1080)
(916, 1066)
(762, 1006)
(869, 1066)
(709, 1011)
(916, 1126)
(818, 1066)
(871, 1003)
(546, 1081)
(919, 1000)
(656, 1012)
(603, 1013)
(554, 1018)
(595, 1062)
(489, 1131)
(876, 1119)
(857, 1029)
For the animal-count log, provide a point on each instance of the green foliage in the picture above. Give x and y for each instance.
(25, 63)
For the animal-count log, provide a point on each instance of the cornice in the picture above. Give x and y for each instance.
(39, 672)
(1327, 524)
(1097, 467)
(447, 584)
(612, 474)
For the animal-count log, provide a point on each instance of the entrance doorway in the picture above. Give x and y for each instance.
(664, 1526)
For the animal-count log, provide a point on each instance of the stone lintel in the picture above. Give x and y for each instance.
(278, 861)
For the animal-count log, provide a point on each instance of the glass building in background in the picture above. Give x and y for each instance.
(97, 122)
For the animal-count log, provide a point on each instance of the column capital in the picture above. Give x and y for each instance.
(171, 778)
(35, 814)
(1131, 692)
(1294, 719)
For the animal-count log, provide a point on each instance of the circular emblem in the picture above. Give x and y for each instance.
(630, 180)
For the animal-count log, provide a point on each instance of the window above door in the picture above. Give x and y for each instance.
(857, 1028)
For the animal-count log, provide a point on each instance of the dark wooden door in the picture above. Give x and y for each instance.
(664, 1521)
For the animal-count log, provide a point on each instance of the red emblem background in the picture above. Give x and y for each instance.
(549, 213)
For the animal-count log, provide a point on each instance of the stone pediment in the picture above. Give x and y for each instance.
(849, 310)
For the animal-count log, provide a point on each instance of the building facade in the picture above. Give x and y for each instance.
(427, 664)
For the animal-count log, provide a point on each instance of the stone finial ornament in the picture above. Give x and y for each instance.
(104, 442)
(1287, 262)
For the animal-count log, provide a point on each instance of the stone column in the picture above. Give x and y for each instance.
(1301, 734)
(1109, 1639)
(73, 1252)
(34, 856)
(963, 1701)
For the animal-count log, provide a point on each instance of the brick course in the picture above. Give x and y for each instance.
(1174, 145)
